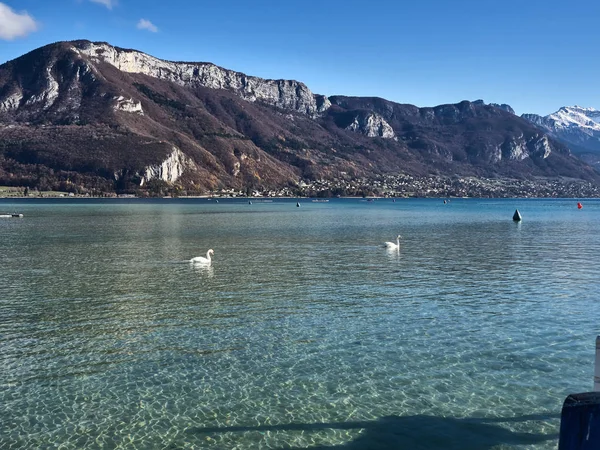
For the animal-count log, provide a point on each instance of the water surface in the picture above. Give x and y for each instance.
(304, 333)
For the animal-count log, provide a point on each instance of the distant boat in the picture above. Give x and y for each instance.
(320, 201)
(11, 215)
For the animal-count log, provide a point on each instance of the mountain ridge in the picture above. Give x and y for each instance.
(576, 126)
(124, 120)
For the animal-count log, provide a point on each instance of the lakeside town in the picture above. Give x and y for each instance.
(396, 186)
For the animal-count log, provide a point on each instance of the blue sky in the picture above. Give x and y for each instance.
(534, 55)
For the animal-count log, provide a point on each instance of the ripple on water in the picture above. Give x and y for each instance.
(303, 332)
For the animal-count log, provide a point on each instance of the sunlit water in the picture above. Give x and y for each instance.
(304, 333)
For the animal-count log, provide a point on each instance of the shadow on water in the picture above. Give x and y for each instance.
(415, 432)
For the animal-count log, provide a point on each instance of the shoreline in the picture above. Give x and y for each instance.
(312, 199)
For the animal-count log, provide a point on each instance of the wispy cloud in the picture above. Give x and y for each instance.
(108, 3)
(14, 25)
(144, 24)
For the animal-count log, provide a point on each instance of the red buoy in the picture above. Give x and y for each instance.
(579, 205)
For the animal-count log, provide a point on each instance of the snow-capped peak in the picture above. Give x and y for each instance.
(581, 108)
(576, 116)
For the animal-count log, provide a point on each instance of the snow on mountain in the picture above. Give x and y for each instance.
(576, 116)
(577, 127)
(568, 118)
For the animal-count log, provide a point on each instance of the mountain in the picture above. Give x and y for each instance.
(577, 127)
(502, 106)
(89, 116)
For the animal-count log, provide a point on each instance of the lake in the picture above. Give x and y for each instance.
(305, 332)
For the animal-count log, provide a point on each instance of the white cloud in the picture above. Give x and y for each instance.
(14, 25)
(144, 24)
(108, 3)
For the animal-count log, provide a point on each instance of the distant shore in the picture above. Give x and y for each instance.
(387, 186)
(270, 199)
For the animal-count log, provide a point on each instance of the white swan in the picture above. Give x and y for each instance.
(392, 246)
(202, 259)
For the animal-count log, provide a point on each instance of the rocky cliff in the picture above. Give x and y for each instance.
(285, 94)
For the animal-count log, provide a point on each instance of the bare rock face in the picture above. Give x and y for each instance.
(520, 148)
(515, 149)
(541, 147)
(170, 170)
(48, 94)
(285, 94)
(11, 101)
(128, 105)
(372, 125)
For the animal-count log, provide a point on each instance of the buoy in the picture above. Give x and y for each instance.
(444, 202)
(517, 216)
(298, 204)
(579, 205)
(249, 203)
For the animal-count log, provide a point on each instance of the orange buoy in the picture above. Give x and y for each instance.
(579, 205)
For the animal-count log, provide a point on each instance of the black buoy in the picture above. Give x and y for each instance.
(249, 203)
(517, 216)
(298, 204)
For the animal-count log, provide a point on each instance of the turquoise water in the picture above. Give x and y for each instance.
(304, 333)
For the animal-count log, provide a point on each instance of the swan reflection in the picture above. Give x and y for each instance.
(393, 253)
(204, 270)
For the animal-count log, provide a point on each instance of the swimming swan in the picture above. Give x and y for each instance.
(202, 259)
(393, 246)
